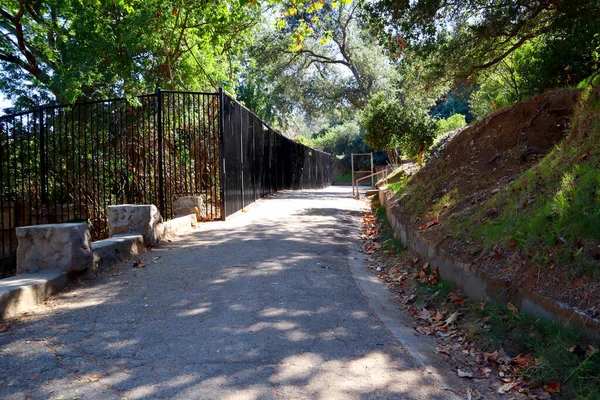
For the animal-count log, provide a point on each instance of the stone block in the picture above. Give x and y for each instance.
(117, 248)
(179, 226)
(63, 247)
(22, 292)
(143, 220)
(187, 205)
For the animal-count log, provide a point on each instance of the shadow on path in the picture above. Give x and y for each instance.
(261, 306)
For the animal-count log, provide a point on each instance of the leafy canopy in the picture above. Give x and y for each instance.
(70, 50)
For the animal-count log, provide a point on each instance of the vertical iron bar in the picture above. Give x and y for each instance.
(222, 174)
(161, 184)
(43, 162)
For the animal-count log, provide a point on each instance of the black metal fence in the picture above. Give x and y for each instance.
(258, 161)
(68, 163)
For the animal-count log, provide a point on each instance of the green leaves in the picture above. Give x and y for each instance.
(390, 124)
(75, 50)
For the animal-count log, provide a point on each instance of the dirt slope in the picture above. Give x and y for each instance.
(476, 170)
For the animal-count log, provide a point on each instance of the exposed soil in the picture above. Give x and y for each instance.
(480, 162)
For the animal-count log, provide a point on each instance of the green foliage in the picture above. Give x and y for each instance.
(456, 101)
(539, 65)
(73, 50)
(343, 140)
(340, 138)
(451, 123)
(387, 238)
(552, 210)
(593, 79)
(320, 79)
(390, 124)
(469, 36)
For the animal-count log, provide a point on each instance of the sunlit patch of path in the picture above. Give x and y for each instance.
(263, 306)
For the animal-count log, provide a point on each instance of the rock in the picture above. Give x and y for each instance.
(186, 205)
(143, 220)
(64, 247)
(179, 226)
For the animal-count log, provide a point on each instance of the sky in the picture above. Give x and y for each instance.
(4, 102)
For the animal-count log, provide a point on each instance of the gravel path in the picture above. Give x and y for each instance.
(263, 306)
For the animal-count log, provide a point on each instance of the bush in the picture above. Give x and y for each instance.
(390, 124)
(343, 140)
(451, 123)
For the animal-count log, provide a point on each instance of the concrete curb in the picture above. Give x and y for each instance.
(22, 292)
(115, 249)
(178, 226)
(480, 285)
(421, 348)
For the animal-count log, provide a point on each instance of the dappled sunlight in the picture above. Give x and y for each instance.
(374, 372)
(296, 367)
(195, 311)
(271, 312)
(233, 311)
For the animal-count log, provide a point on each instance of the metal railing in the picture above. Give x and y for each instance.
(379, 174)
(63, 163)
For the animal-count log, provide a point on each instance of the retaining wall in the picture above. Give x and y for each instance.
(480, 285)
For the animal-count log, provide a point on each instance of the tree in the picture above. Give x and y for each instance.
(71, 50)
(336, 69)
(473, 35)
(390, 124)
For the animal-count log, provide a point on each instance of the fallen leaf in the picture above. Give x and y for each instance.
(552, 387)
(464, 374)
(506, 387)
(422, 276)
(438, 316)
(394, 270)
(424, 330)
(429, 224)
(455, 299)
(486, 371)
(423, 314)
(139, 264)
(434, 277)
(503, 358)
(578, 282)
(491, 356)
(522, 361)
(452, 318)
(407, 299)
(444, 330)
(512, 308)
(512, 243)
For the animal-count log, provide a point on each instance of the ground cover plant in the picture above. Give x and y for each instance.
(499, 350)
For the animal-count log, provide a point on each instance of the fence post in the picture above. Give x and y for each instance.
(222, 174)
(43, 164)
(161, 183)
